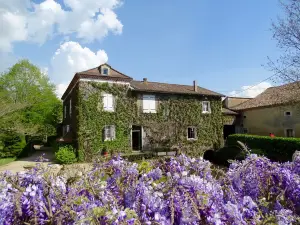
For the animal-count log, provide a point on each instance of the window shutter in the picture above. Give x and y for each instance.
(70, 107)
(149, 104)
(107, 133)
(152, 104)
(145, 104)
(110, 104)
(113, 132)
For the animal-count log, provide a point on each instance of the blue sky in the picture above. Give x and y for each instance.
(221, 44)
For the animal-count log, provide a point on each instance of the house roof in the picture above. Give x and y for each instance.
(144, 86)
(237, 97)
(170, 88)
(112, 74)
(279, 95)
(228, 111)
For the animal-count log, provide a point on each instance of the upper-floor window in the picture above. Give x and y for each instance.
(288, 113)
(70, 110)
(65, 111)
(206, 107)
(108, 102)
(191, 133)
(104, 71)
(109, 132)
(149, 105)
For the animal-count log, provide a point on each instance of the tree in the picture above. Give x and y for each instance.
(286, 31)
(30, 104)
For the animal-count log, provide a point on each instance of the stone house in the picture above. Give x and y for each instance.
(276, 110)
(103, 107)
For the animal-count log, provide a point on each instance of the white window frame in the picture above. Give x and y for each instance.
(102, 71)
(148, 102)
(112, 130)
(286, 131)
(70, 112)
(195, 133)
(65, 111)
(287, 115)
(106, 106)
(208, 105)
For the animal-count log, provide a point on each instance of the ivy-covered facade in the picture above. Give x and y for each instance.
(105, 109)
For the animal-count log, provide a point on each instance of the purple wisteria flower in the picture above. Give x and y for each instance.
(178, 190)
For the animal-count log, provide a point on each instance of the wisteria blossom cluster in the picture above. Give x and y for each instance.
(179, 190)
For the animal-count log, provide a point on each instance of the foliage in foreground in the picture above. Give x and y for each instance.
(65, 155)
(275, 148)
(179, 190)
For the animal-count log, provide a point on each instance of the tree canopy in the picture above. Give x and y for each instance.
(286, 31)
(29, 100)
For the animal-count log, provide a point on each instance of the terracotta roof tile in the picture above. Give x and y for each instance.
(112, 73)
(170, 88)
(228, 112)
(279, 95)
(115, 75)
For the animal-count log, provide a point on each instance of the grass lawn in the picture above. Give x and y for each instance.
(6, 160)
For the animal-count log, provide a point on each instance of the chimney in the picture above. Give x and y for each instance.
(145, 80)
(195, 85)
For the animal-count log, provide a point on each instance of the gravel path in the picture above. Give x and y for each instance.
(19, 164)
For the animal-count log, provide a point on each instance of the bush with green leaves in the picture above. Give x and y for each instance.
(275, 148)
(65, 155)
(13, 145)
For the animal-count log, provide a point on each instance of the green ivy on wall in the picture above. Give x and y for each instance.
(165, 128)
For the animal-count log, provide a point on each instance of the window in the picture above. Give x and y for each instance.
(70, 112)
(108, 102)
(66, 129)
(245, 131)
(109, 133)
(288, 113)
(289, 133)
(65, 111)
(191, 133)
(149, 104)
(105, 71)
(206, 107)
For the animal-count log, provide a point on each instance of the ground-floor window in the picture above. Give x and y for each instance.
(66, 129)
(109, 132)
(289, 133)
(191, 133)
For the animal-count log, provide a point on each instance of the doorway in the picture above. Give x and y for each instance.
(227, 130)
(136, 138)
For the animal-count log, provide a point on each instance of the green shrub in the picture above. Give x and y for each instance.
(224, 154)
(65, 155)
(13, 145)
(276, 148)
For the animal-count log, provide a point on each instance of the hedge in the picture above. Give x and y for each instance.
(275, 148)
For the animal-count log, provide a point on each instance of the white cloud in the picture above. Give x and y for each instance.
(60, 89)
(26, 21)
(14, 29)
(251, 91)
(41, 21)
(70, 58)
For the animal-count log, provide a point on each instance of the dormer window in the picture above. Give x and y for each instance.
(104, 71)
